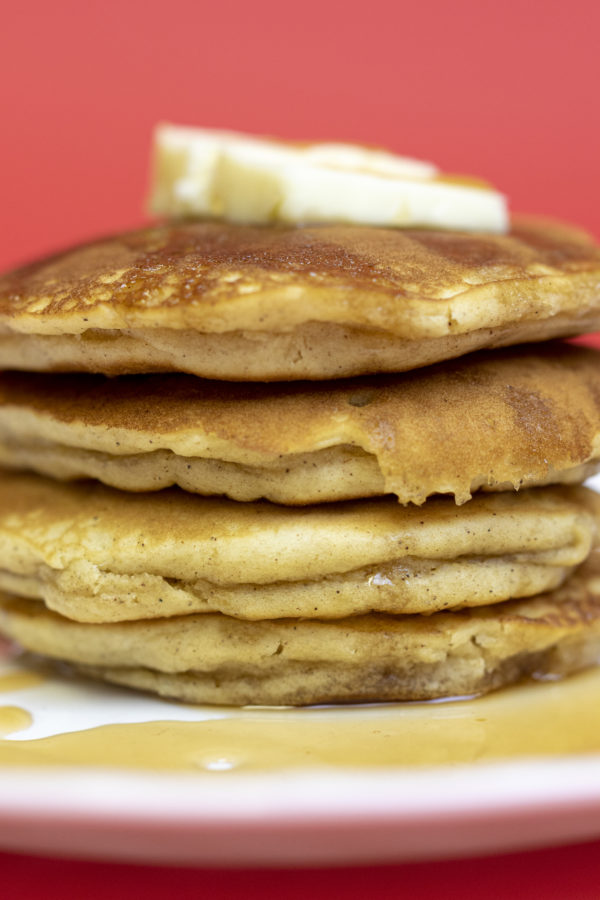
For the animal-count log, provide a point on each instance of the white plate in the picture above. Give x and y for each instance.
(299, 819)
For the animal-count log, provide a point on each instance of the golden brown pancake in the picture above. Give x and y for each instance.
(217, 659)
(267, 303)
(497, 421)
(99, 555)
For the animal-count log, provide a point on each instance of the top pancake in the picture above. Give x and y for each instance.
(279, 303)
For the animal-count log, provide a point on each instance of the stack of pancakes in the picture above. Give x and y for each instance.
(191, 504)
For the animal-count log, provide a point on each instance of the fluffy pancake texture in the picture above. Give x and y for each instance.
(99, 555)
(217, 659)
(267, 303)
(496, 421)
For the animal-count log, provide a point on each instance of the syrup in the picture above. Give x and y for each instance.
(530, 720)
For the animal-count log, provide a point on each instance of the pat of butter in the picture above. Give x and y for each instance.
(245, 179)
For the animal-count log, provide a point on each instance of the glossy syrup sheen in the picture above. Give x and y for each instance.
(19, 680)
(543, 719)
(12, 719)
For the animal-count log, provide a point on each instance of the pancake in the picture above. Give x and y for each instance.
(217, 659)
(248, 303)
(494, 421)
(99, 555)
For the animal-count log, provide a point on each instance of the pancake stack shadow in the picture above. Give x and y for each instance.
(280, 465)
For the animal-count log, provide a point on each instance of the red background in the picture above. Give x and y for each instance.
(561, 874)
(508, 91)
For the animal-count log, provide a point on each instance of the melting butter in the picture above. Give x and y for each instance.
(547, 719)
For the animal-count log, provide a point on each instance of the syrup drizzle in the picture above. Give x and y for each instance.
(534, 719)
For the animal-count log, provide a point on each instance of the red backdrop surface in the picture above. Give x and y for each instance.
(505, 90)
(564, 873)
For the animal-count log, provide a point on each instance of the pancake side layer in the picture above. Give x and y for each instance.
(216, 659)
(97, 554)
(493, 421)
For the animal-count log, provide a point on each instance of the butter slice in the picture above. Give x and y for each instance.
(252, 180)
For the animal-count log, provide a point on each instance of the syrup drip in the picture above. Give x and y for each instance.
(534, 719)
(19, 680)
(13, 719)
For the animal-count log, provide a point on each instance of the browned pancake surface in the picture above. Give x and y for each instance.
(498, 420)
(157, 287)
(201, 266)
